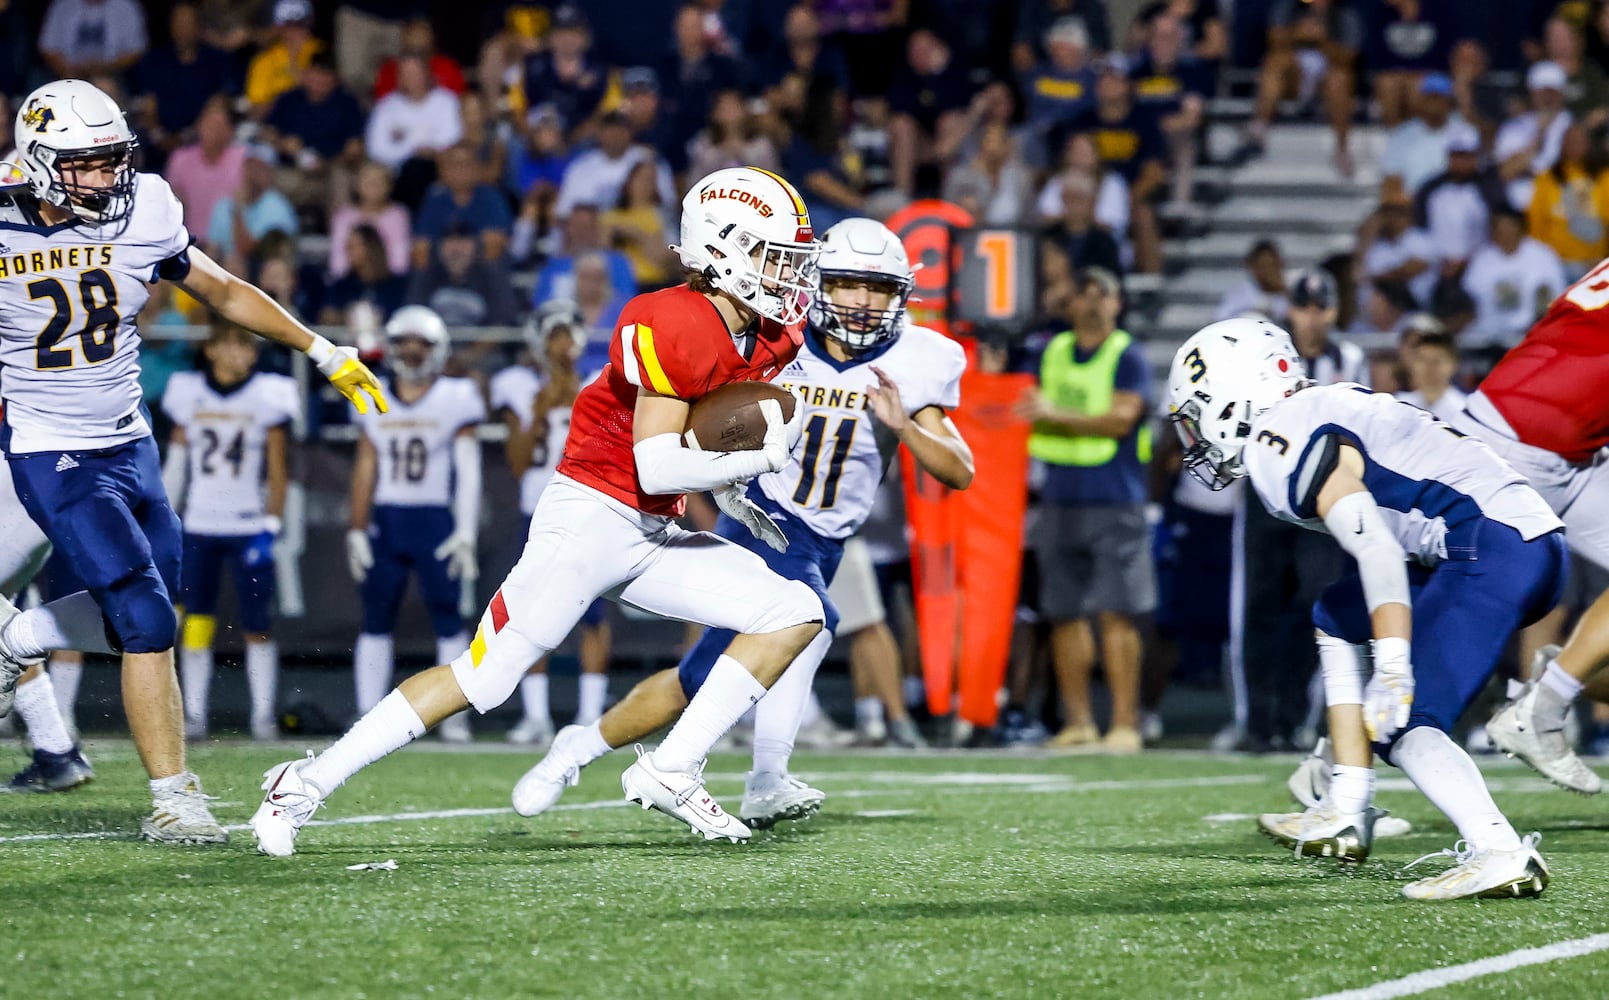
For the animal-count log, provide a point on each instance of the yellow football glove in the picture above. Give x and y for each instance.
(349, 375)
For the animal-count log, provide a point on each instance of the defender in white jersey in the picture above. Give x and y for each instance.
(535, 403)
(82, 242)
(415, 502)
(868, 381)
(1454, 552)
(226, 473)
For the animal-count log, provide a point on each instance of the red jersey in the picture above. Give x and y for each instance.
(675, 343)
(1553, 387)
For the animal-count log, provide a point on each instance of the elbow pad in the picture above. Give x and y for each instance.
(1356, 523)
(664, 467)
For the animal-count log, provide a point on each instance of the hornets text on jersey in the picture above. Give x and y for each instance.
(831, 478)
(414, 442)
(515, 389)
(68, 306)
(1434, 485)
(227, 430)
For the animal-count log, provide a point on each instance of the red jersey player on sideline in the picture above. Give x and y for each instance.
(605, 524)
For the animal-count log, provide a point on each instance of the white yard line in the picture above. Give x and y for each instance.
(1435, 979)
(1045, 784)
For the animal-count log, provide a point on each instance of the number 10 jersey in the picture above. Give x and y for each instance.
(69, 297)
(415, 442)
(226, 429)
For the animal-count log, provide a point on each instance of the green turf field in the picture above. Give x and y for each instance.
(943, 875)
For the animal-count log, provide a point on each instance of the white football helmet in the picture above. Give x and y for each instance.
(68, 124)
(553, 316)
(1222, 379)
(748, 231)
(865, 250)
(421, 322)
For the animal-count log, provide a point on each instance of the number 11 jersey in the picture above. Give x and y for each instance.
(226, 429)
(415, 442)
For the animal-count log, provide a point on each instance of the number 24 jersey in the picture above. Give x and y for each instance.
(415, 442)
(226, 430)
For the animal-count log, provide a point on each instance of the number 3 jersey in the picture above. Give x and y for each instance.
(414, 442)
(515, 389)
(227, 433)
(69, 297)
(1435, 487)
(831, 478)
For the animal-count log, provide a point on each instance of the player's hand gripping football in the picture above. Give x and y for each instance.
(781, 434)
(1388, 698)
(353, 379)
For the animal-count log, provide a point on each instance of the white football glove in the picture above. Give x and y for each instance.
(1388, 698)
(459, 551)
(734, 503)
(359, 553)
(780, 434)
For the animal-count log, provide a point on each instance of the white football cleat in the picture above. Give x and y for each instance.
(769, 798)
(531, 732)
(181, 816)
(539, 789)
(680, 794)
(11, 667)
(289, 801)
(1311, 779)
(1484, 874)
(1516, 731)
(455, 729)
(1323, 832)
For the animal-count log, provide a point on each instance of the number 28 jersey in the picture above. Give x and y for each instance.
(227, 431)
(830, 481)
(415, 442)
(69, 296)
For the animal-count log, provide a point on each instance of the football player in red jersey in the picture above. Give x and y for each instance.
(1545, 408)
(606, 524)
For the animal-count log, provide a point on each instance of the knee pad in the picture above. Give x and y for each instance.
(199, 631)
(140, 615)
(791, 604)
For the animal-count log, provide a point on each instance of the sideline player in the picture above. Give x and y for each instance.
(536, 406)
(226, 474)
(1391, 484)
(82, 246)
(606, 524)
(415, 502)
(868, 381)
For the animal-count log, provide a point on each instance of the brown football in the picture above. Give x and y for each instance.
(729, 419)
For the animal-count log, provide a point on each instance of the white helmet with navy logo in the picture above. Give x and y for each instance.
(1222, 379)
(553, 316)
(424, 323)
(748, 232)
(69, 125)
(868, 251)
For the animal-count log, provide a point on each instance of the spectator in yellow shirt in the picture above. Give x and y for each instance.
(278, 68)
(1571, 203)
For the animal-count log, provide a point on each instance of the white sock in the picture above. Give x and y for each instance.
(371, 667)
(1555, 692)
(728, 692)
(868, 712)
(782, 711)
(262, 676)
(36, 706)
(594, 690)
(914, 691)
(390, 725)
(195, 677)
(65, 676)
(1450, 780)
(452, 647)
(174, 782)
(534, 695)
(589, 746)
(1351, 788)
(71, 622)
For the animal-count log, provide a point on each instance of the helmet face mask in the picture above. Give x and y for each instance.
(421, 326)
(862, 261)
(76, 151)
(1213, 465)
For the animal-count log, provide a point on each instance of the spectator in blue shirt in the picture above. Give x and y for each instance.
(800, 49)
(583, 233)
(1059, 88)
(179, 78)
(369, 279)
(1171, 85)
(1129, 143)
(1091, 540)
(692, 75)
(567, 75)
(239, 221)
(317, 127)
(461, 199)
(929, 99)
(818, 163)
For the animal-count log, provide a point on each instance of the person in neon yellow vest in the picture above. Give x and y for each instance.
(1091, 540)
